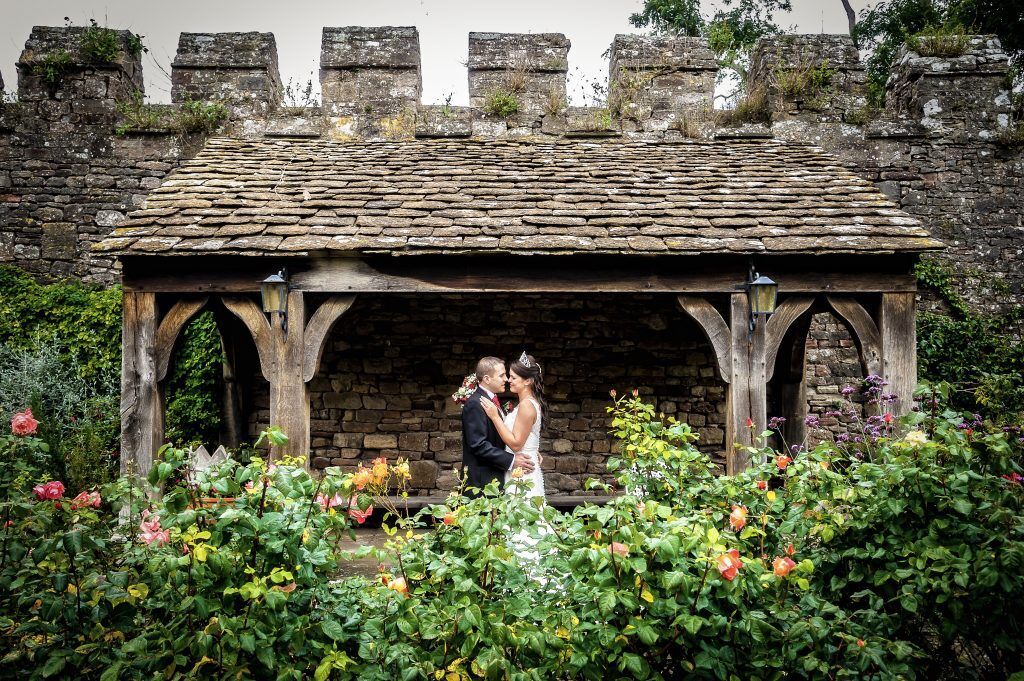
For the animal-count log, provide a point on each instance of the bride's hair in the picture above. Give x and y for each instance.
(534, 372)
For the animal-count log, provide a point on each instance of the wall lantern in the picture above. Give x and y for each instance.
(762, 293)
(274, 291)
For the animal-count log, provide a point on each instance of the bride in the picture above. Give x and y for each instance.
(520, 429)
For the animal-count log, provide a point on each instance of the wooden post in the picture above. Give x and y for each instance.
(896, 322)
(142, 426)
(289, 358)
(746, 393)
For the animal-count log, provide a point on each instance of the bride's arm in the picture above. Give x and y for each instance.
(515, 438)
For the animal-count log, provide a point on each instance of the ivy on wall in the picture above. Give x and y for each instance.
(195, 383)
(981, 355)
(83, 325)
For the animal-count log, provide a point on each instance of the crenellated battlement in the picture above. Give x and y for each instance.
(658, 86)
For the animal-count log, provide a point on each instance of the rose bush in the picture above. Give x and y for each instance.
(897, 556)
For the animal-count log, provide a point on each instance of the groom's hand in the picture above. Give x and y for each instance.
(524, 462)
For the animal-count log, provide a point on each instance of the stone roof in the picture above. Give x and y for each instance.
(298, 196)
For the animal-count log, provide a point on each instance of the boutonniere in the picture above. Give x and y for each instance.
(508, 407)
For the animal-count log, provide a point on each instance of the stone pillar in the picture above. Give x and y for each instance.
(520, 71)
(55, 66)
(237, 69)
(818, 76)
(966, 96)
(658, 82)
(370, 78)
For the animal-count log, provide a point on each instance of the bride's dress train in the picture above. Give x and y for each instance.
(527, 486)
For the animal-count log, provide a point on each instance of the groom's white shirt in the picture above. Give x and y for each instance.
(490, 396)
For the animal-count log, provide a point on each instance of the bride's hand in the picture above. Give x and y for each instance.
(489, 408)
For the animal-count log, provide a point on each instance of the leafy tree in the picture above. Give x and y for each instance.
(886, 26)
(731, 31)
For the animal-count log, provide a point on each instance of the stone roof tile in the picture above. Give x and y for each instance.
(298, 196)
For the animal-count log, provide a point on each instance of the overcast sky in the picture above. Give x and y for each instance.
(443, 25)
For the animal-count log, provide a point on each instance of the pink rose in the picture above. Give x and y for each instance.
(326, 503)
(356, 514)
(86, 499)
(23, 424)
(150, 531)
(50, 491)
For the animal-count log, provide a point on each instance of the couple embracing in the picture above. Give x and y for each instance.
(504, 446)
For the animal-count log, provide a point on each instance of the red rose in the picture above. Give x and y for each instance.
(357, 515)
(86, 499)
(762, 485)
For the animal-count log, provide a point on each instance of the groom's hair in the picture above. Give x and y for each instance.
(487, 365)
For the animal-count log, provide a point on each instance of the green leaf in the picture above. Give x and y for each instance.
(333, 629)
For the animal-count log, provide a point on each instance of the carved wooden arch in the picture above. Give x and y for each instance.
(170, 328)
(313, 334)
(786, 314)
(865, 331)
(715, 329)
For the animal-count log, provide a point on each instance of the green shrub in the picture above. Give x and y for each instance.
(947, 40)
(137, 115)
(100, 44)
(754, 107)
(200, 117)
(501, 102)
(52, 67)
(825, 564)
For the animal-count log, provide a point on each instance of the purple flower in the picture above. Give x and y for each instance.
(848, 390)
(812, 421)
(843, 437)
(795, 449)
(776, 422)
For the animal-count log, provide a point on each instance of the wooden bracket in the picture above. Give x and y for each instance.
(714, 328)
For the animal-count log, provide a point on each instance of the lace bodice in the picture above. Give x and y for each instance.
(531, 447)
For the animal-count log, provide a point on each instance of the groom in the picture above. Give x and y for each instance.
(483, 453)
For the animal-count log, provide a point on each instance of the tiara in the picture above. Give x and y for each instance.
(525, 361)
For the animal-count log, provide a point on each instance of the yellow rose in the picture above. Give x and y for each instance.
(916, 437)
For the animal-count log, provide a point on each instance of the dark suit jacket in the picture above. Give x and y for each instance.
(483, 453)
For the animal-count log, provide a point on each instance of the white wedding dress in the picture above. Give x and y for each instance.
(532, 449)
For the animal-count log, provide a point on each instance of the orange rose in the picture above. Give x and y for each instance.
(782, 461)
(738, 517)
(362, 478)
(449, 518)
(782, 566)
(790, 550)
(398, 584)
(729, 564)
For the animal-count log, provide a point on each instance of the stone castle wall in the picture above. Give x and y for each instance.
(943, 149)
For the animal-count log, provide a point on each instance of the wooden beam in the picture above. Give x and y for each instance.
(778, 325)
(865, 331)
(254, 319)
(715, 330)
(142, 428)
(319, 326)
(897, 324)
(511, 274)
(406, 275)
(170, 327)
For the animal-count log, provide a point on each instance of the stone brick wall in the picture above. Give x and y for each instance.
(387, 376)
